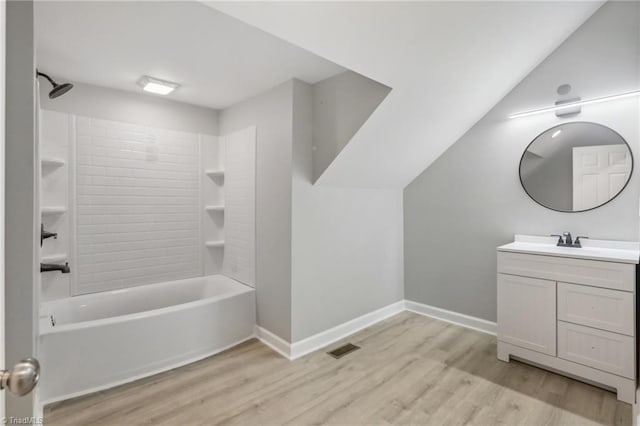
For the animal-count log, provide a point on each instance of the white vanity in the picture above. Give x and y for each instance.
(571, 310)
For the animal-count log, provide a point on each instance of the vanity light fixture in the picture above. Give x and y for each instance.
(157, 86)
(569, 105)
(556, 133)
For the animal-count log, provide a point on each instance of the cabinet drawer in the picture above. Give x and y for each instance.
(599, 349)
(617, 276)
(610, 310)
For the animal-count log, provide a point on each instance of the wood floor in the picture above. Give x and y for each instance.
(410, 370)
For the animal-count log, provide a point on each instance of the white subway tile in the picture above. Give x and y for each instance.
(138, 205)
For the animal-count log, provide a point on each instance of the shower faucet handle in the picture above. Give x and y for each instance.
(46, 234)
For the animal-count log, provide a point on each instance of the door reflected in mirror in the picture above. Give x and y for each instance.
(576, 166)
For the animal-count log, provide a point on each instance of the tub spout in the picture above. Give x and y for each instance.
(47, 267)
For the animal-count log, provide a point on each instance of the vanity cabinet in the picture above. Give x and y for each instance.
(575, 316)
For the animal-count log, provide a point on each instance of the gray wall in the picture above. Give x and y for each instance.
(347, 242)
(341, 105)
(470, 200)
(325, 255)
(21, 206)
(129, 107)
(271, 113)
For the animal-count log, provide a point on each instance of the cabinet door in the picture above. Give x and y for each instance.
(527, 313)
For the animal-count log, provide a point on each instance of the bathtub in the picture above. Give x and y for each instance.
(97, 341)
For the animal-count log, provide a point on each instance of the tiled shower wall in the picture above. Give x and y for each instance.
(239, 228)
(138, 205)
(132, 204)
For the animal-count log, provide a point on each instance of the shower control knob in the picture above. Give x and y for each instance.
(22, 378)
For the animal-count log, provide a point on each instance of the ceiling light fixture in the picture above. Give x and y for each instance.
(576, 104)
(157, 86)
(556, 133)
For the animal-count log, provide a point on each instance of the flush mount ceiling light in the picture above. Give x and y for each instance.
(569, 105)
(157, 86)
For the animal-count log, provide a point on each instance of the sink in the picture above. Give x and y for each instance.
(606, 250)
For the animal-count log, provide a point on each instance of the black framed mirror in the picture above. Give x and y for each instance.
(575, 167)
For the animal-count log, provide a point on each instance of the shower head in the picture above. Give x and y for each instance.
(58, 89)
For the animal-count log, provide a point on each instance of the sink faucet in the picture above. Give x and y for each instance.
(48, 267)
(568, 241)
(565, 240)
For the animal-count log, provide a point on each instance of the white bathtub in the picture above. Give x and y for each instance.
(106, 339)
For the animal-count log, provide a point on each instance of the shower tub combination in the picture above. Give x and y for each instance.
(96, 341)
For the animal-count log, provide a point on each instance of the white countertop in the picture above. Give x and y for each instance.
(610, 251)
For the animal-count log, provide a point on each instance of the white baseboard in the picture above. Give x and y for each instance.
(332, 335)
(274, 342)
(456, 318)
(295, 350)
(303, 347)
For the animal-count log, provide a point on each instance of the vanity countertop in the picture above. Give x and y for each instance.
(609, 251)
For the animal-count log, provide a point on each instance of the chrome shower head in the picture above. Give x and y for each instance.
(58, 89)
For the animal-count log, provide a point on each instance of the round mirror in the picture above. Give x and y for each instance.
(576, 166)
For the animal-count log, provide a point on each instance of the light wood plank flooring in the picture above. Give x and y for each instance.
(410, 370)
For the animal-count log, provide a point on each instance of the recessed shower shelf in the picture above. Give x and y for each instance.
(54, 258)
(214, 173)
(214, 208)
(53, 210)
(52, 162)
(215, 244)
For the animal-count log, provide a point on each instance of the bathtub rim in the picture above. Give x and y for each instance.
(48, 329)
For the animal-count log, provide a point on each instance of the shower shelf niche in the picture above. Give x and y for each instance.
(54, 258)
(213, 173)
(51, 162)
(215, 244)
(53, 210)
(214, 208)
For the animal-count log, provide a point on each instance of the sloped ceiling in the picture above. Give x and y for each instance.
(341, 105)
(217, 59)
(448, 63)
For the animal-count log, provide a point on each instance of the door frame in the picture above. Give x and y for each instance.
(21, 202)
(3, 26)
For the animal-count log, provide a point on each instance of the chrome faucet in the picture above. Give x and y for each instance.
(565, 240)
(48, 267)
